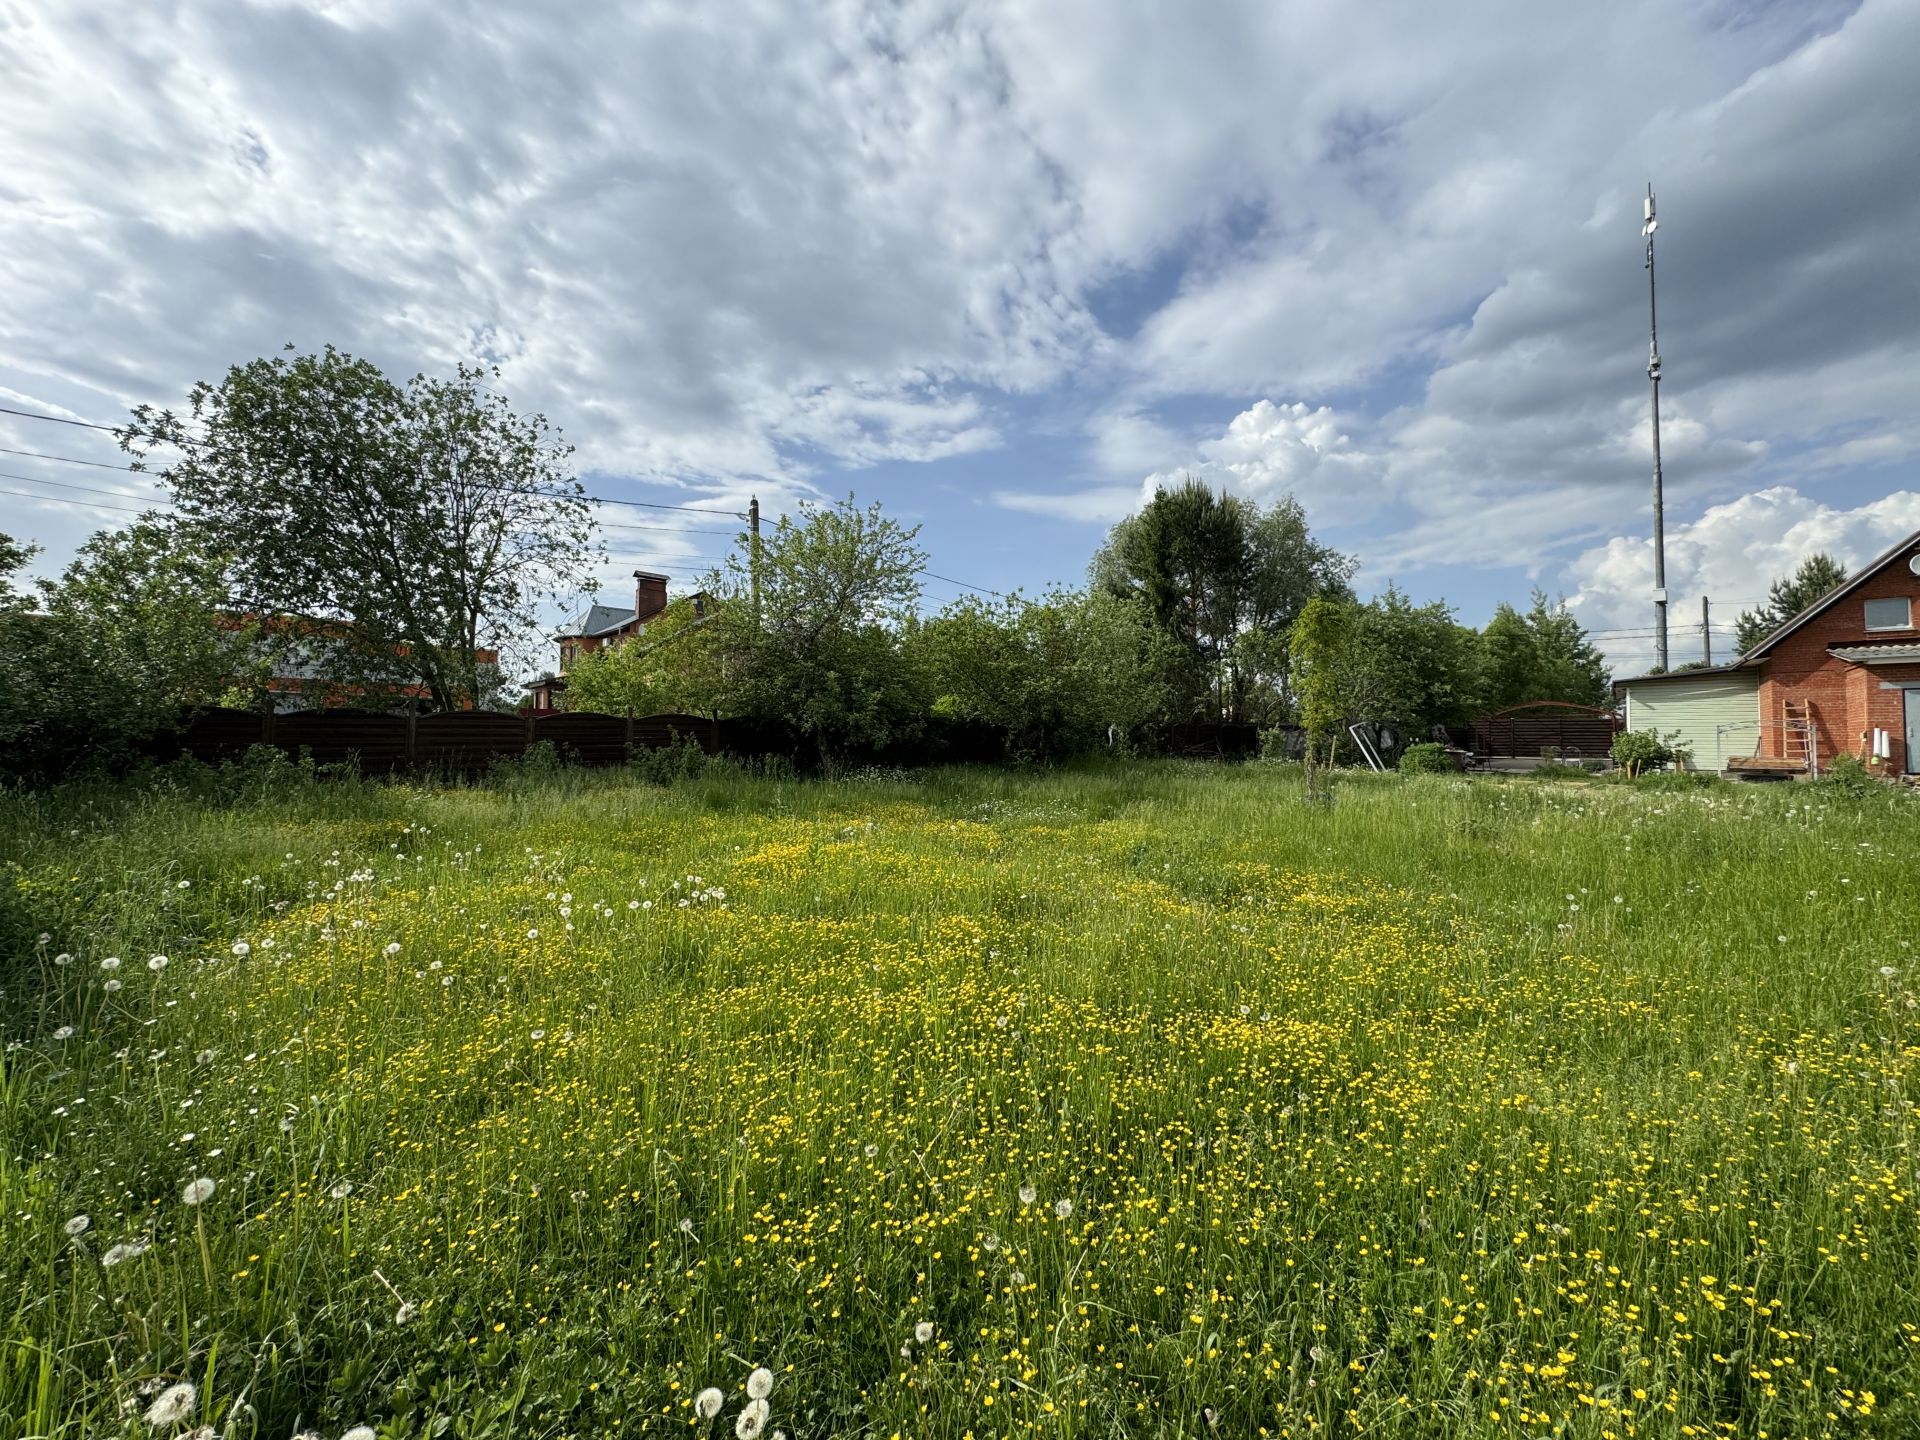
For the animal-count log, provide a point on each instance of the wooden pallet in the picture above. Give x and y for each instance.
(1765, 765)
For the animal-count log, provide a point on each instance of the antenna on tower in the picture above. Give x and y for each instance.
(1649, 224)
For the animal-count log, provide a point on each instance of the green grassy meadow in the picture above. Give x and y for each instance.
(1139, 1101)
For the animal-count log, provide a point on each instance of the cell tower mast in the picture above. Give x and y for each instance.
(1648, 226)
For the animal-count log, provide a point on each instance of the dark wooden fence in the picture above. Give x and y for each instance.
(461, 740)
(469, 741)
(1576, 730)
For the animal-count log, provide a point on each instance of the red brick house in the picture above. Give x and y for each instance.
(1840, 678)
(599, 627)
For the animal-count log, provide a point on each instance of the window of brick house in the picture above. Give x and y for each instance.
(1890, 614)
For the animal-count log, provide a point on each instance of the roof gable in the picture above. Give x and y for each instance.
(1839, 592)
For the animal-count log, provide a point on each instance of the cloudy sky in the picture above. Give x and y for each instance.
(1003, 265)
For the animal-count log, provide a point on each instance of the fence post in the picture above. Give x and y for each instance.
(266, 717)
(413, 739)
(526, 743)
(629, 731)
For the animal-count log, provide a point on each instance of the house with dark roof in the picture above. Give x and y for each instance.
(1840, 678)
(600, 627)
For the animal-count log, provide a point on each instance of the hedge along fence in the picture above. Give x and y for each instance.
(462, 740)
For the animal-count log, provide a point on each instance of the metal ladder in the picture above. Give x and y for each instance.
(1800, 740)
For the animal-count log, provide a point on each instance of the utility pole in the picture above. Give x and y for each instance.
(753, 554)
(1706, 633)
(1648, 226)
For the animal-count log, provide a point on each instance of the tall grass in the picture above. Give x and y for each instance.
(1144, 1100)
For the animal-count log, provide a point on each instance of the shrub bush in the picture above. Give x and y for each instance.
(672, 764)
(1848, 774)
(1637, 751)
(1426, 758)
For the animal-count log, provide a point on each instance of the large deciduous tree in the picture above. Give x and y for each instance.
(1224, 580)
(1057, 675)
(389, 531)
(1818, 576)
(820, 652)
(1543, 654)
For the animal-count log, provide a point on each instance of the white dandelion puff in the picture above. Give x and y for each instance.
(1063, 1208)
(341, 1191)
(393, 947)
(760, 1383)
(157, 963)
(358, 1432)
(989, 1242)
(923, 1333)
(63, 958)
(112, 962)
(205, 1057)
(77, 1225)
(708, 1402)
(533, 934)
(198, 1191)
(870, 1151)
(753, 1419)
(172, 1405)
(242, 948)
(1887, 972)
(538, 1035)
(404, 1315)
(111, 986)
(686, 1225)
(1028, 1194)
(131, 1250)
(65, 1032)
(1018, 1277)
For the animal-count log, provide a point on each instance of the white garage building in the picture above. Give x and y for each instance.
(1715, 710)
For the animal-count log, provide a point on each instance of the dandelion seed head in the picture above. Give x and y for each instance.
(172, 1405)
(1028, 1194)
(341, 1191)
(131, 1250)
(1063, 1208)
(708, 1402)
(198, 1191)
(393, 947)
(77, 1225)
(753, 1419)
(358, 1432)
(157, 963)
(923, 1333)
(760, 1383)
(112, 962)
(65, 1032)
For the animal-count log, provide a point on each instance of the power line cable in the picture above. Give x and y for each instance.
(63, 459)
(63, 500)
(57, 420)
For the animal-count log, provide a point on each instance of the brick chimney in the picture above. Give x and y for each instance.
(649, 595)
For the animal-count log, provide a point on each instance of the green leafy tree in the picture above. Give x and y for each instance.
(1818, 576)
(837, 585)
(1323, 662)
(135, 633)
(1057, 675)
(675, 666)
(1224, 580)
(1412, 666)
(419, 522)
(1543, 654)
